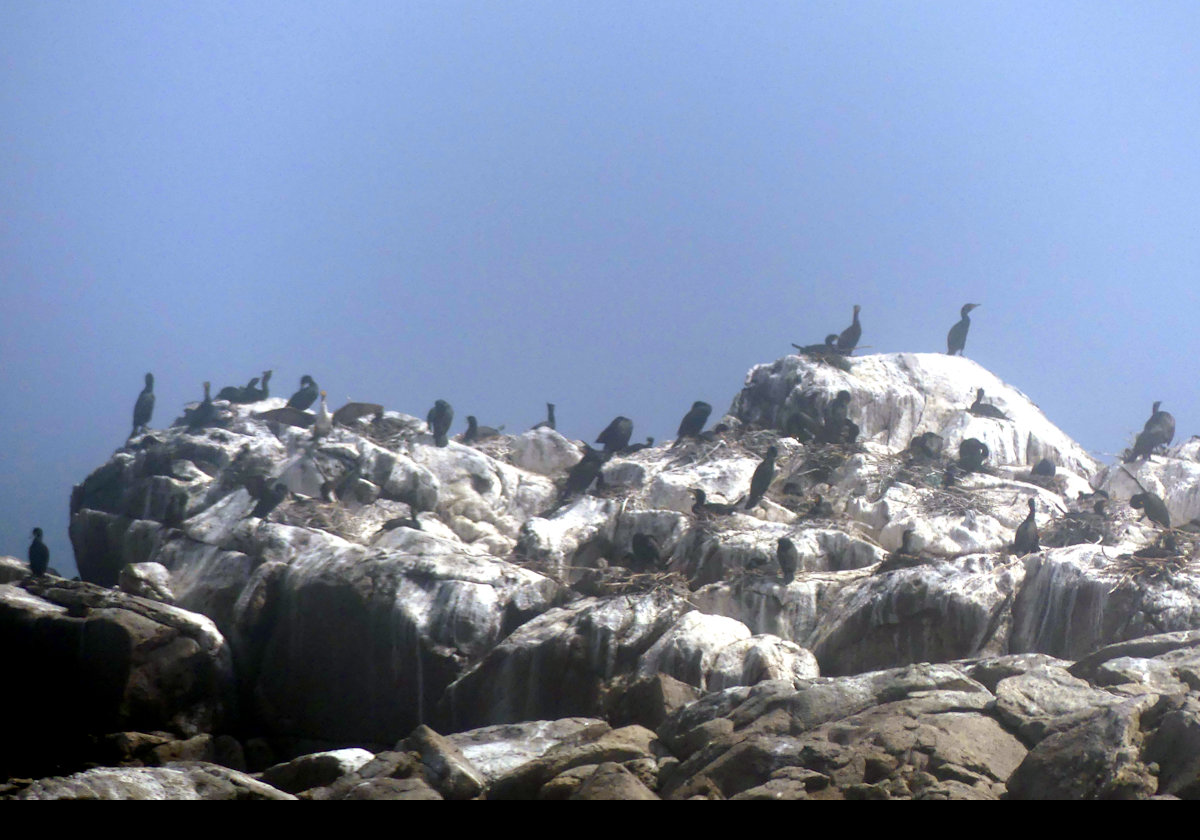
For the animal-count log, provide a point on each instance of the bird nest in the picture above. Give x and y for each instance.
(1077, 529)
(948, 502)
(1148, 565)
(599, 583)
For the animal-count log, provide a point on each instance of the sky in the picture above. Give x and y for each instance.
(619, 208)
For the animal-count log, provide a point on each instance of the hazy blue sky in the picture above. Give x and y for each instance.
(615, 207)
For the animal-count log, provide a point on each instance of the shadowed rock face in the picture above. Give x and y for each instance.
(400, 583)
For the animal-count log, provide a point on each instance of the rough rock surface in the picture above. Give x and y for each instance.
(455, 602)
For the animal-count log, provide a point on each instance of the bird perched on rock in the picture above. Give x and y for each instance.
(1153, 506)
(981, 409)
(144, 407)
(476, 432)
(848, 340)
(203, 414)
(548, 423)
(956, 339)
(439, 419)
(972, 452)
(616, 434)
(637, 447)
(1026, 540)
(270, 500)
(323, 425)
(905, 557)
(1158, 431)
(233, 393)
(39, 555)
(1044, 468)
(692, 422)
(252, 394)
(645, 553)
(581, 476)
(307, 395)
(927, 446)
(839, 428)
(788, 558)
(829, 348)
(764, 473)
(703, 507)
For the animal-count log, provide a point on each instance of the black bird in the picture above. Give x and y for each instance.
(1153, 506)
(703, 507)
(1026, 540)
(439, 419)
(476, 432)
(1044, 468)
(581, 476)
(820, 507)
(838, 426)
(981, 409)
(637, 447)
(956, 340)
(307, 395)
(144, 407)
(232, 393)
(905, 557)
(646, 555)
(692, 422)
(616, 434)
(789, 559)
(252, 394)
(401, 522)
(950, 475)
(270, 500)
(764, 473)
(928, 445)
(972, 452)
(829, 348)
(39, 555)
(202, 414)
(848, 340)
(1158, 431)
(548, 423)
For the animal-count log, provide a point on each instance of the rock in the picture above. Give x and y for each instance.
(147, 580)
(182, 780)
(316, 770)
(611, 781)
(448, 770)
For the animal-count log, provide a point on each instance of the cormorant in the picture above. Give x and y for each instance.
(204, 413)
(1044, 468)
(401, 522)
(848, 340)
(703, 507)
(1153, 506)
(981, 409)
(270, 500)
(763, 475)
(1158, 431)
(252, 394)
(692, 422)
(928, 445)
(323, 425)
(956, 339)
(904, 557)
(645, 553)
(39, 555)
(616, 434)
(144, 407)
(972, 452)
(820, 507)
(829, 348)
(476, 432)
(637, 447)
(581, 476)
(950, 475)
(439, 419)
(307, 395)
(233, 394)
(1026, 540)
(838, 426)
(549, 423)
(788, 557)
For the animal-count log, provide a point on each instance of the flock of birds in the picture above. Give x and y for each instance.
(833, 425)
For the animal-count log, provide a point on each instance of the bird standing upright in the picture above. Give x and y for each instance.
(848, 340)
(39, 555)
(143, 409)
(956, 339)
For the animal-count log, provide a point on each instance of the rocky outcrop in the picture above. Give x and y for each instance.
(412, 595)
